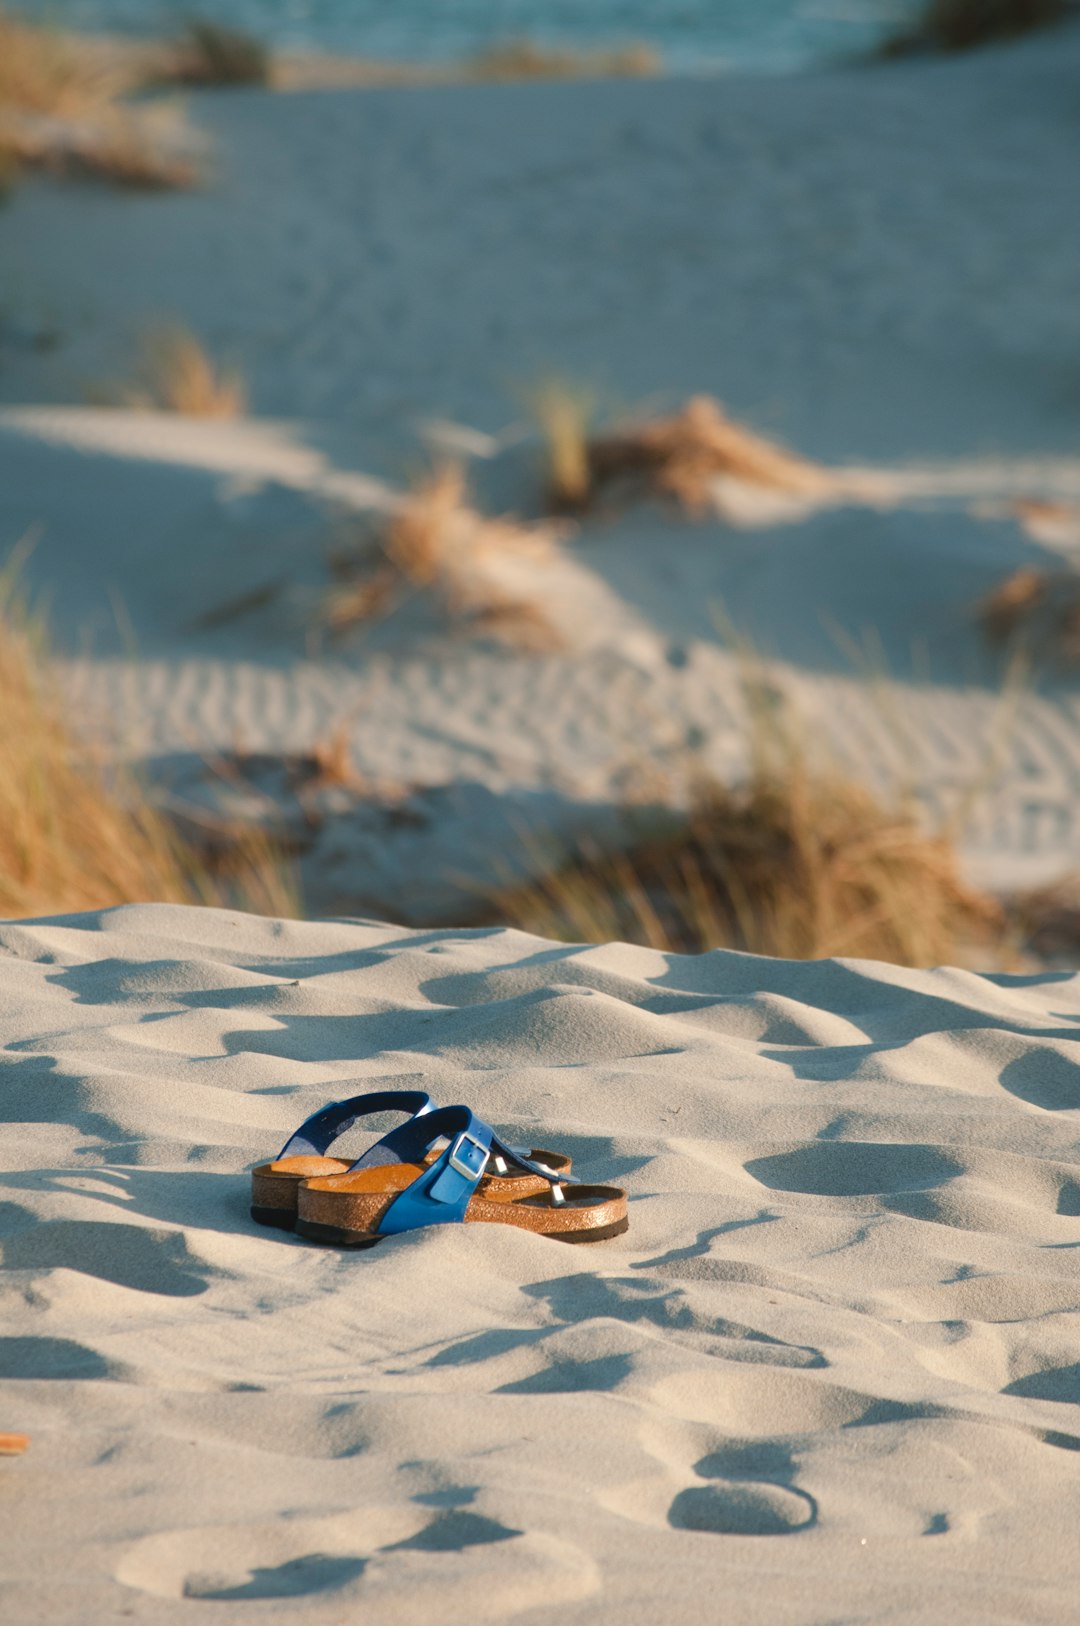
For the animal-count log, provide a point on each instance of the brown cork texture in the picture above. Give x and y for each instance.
(357, 1202)
(275, 1185)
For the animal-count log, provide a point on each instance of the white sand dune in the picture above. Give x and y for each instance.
(829, 1374)
(877, 265)
(847, 1310)
(152, 527)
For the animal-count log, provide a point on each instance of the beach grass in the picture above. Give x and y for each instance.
(564, 413)
(176, 373)
(527, 59)
(77, 834)
(677, 457)
(42, 71)
(1038, 607)
(437, 541)
(795, 862)
(62, 110)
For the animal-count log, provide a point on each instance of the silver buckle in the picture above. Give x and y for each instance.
(463, 1168)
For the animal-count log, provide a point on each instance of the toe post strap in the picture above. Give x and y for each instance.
(442, 1192)
(322, 1128)
(444, 1189)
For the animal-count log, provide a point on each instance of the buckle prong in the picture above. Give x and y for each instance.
(462, 1168)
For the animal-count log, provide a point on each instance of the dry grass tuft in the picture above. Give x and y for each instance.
(73, 837)
(9, 166)
(960, 25)
(1047, 920)
(176, 374)
(437, 541)
(1004, 611)
(60, 110)
(42, 71)
(329, 764)
(684, 455)
(358, 599)
(113, 149)
(1040, 606)
(524, 59)
(425, 537)
(565, 414)
(209, 54)
(794, 864)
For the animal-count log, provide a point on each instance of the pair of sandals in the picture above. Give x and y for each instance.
(442, 1166)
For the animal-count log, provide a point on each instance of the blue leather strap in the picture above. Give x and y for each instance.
(316, 1133)
(440, 1194)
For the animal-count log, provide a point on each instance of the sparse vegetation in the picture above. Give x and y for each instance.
(525, 59)
(209, 54)
(176, 374)
(680, 457)
(73, 836)
(565, 414)
(43, 72)
(437, 541)
(9, 167)
(329, 764)
(795, 863)
(113, 149)
(61, 110)
(1042, 607)
(961, 25)
(1047, 920)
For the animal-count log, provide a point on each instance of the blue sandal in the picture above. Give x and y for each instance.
(433, 1171)
(274, 1186)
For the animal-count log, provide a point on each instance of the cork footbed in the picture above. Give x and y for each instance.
(275, 1185)
(348, 1208)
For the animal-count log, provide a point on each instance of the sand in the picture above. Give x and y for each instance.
(877, 266)
(829, 1374)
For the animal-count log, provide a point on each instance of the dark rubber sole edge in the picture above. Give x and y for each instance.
(599, 1233)
(283, 1219)
(335, 1237)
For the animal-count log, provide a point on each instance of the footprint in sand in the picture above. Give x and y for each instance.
(456, 1562)
(745, 1487)
(737, 1509)
(298, 1578)
(748, 1492)
(855, 1168)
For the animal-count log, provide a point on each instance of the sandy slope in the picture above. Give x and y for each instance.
(878, 265)
(829, 1374)
(150, 526)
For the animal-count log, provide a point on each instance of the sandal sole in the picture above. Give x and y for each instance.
(283, 1219)
(334, 1236)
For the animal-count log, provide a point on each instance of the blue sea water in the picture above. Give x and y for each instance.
(692, 35)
